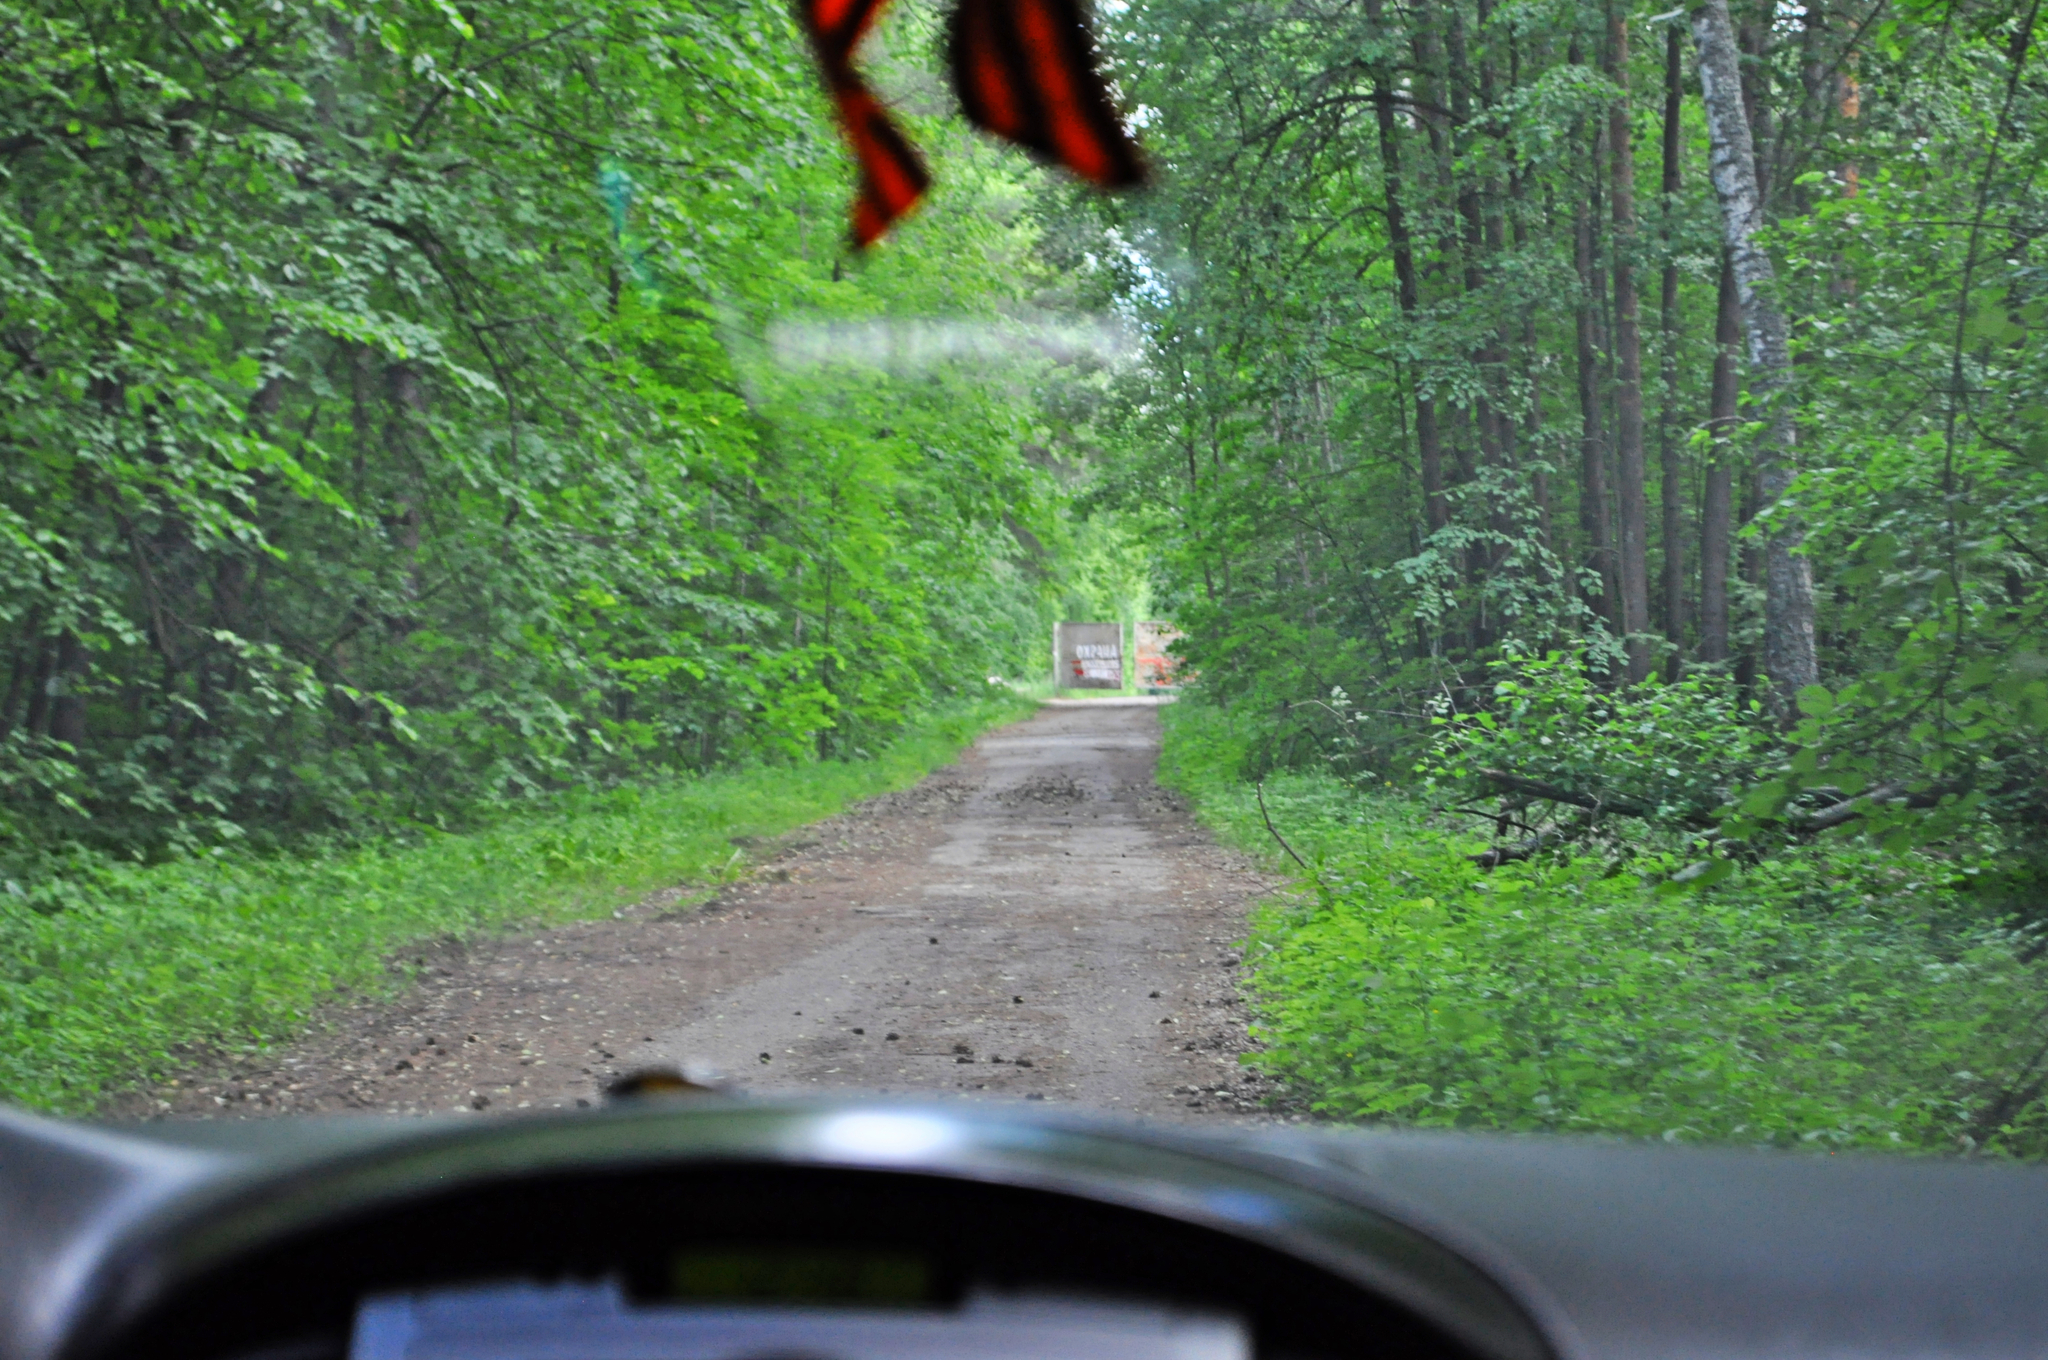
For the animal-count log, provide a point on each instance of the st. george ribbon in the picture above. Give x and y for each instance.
(1024, 70)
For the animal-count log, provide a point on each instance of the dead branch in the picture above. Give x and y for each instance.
(1520, 850)
(1851, 808)
(1260, 789)
(1537, 788)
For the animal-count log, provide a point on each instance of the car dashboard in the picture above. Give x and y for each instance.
(708, 1229)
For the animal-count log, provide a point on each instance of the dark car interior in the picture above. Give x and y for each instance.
(742, 1231)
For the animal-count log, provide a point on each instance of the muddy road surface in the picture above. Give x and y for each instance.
(1038, 921)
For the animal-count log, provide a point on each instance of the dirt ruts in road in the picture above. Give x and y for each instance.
(1037, 921)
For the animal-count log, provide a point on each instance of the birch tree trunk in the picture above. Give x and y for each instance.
(1717, 512)
(1630, 473)
(1789, 658)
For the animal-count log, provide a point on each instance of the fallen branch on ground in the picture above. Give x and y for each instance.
(1520, 850)
(1594, 804)
(1849, 809)
(1537, 788)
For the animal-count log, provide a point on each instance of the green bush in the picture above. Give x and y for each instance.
(1830, 994)
(1672, 753)
(118, 972)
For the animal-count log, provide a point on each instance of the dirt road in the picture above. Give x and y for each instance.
(1037, 921)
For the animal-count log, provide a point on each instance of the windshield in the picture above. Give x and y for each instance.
(1449, 564)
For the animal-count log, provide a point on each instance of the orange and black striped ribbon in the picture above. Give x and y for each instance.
(1024, 70)
(892, 175)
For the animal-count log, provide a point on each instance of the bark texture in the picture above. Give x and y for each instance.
(1631, 477)
(1717, 507)
(1670, 448)
(1595, 525)
(1789, 658)
(1429, 444)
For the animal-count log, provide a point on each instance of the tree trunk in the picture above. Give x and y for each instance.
(1630, 472)
(1593, 522)
(1486, 358)
(1717, 512)
(1789, 656)
(1596, 542)
(27, 658)
(1530, 356)
(1437, 192)
(1493, 236)
(1753, 42)
(1429, 446)
(37, 722)
(1435, 119)
(17, 686)
(67, 701)
(1669, 448)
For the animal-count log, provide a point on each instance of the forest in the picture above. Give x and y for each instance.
(1598, 456)
(395, 427)
(1621, 430)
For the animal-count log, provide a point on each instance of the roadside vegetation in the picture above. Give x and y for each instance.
(1823, 996)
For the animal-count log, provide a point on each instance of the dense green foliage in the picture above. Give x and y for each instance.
(1821, 996)
(412, 412)
(153, 967)
(1488, 509)
(1434, 350)
(398, 417)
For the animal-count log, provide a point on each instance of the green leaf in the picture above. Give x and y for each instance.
(1704, 873)
(1816, 701)
(1991, 324)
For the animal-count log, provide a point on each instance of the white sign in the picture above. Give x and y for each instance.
(1088, 656)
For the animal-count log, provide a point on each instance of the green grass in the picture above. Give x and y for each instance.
(153, 966)
(1832, 995)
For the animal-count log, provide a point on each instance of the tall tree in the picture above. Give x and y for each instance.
(1717, 504)
(1633, 556)
(1429, 444)
(1789, 656)
(1595, 522)
(1671, 460)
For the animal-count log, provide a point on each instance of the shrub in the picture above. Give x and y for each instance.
(1826, 995)
(1672, 753)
